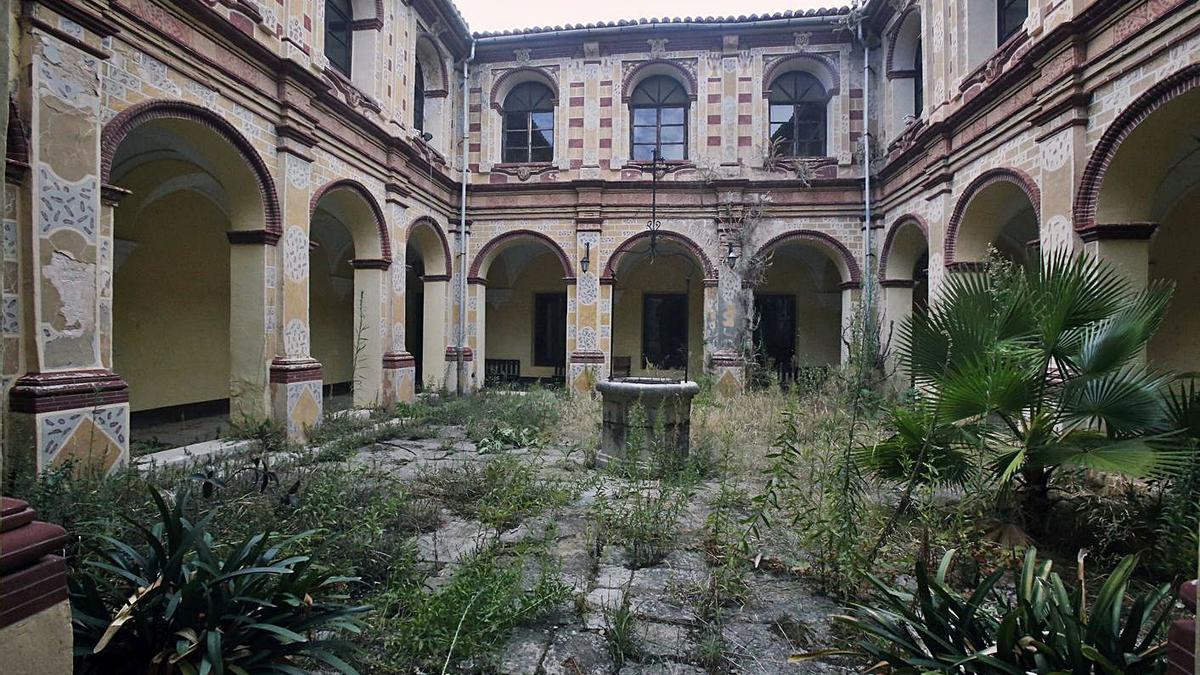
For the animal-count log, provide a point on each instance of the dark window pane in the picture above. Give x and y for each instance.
(338, 34)
(672, 134)
(646, 116)
(545, 154)
(543, 120)
(644, 135)
(671, 152)
(782, 113)
(541, 140)
(672, 116)
(515, 121)
(643, 152)
(1011, 15)
(419, 98)
(515, 155)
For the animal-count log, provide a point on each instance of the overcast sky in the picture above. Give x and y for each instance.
(492, 15)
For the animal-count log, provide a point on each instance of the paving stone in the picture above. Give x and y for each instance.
(664, 668)
(577, 653)
(612, 576)
(755, 648)
(664, 609)
(601, 599)
(663, 639)
(523, 653)
(454, 541)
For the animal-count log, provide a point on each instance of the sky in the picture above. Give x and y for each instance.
(494, 15)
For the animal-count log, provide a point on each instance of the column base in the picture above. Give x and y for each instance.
(471, 382)
(728, 369)
(587, 367)
(296, 395)
(78, 417)
(399, 378)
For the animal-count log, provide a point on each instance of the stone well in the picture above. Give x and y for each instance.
(666, 424)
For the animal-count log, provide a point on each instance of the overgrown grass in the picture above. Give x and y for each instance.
(501, 492)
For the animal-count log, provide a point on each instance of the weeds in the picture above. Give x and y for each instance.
(501, 492)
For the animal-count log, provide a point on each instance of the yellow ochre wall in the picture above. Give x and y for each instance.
(813, 279)
(510, 307)
(171, 303)
(639, 277)
(331, 315)
(1174, 251)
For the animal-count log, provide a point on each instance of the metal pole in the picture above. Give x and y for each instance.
(461, 374)
(868, 289)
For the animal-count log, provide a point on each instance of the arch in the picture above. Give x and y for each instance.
(889, 241)
(511, 78)
(847, 265)
(425, 222)
(820, 66)
(658, 67)
(385, 244)
(492, 248)
(983, 181)
(425, 51)
(614, 260)
(1088, 195)
(131, 118)
(895, 35)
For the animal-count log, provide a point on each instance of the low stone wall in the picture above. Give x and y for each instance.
(1181, 639)
(35, 616)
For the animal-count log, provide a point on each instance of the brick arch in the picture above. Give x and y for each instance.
(890, 238)
(984, 180)
(18, 138)
(517, 76)
(822, 240)
(424, 41)
(503, 239)
(788, 63)
(119, 128)
(655, 67)
(385, 242)
(893, 34)
(426, 221)
(614, 260)
(1087, 197)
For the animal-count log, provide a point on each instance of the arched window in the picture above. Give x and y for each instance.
(419, 98)
(1010, 15)
(529, 123)
(339, 34)
(918, 82)
(798, 102)
(658, 108)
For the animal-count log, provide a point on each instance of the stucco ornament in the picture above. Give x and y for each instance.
(295, 253)
(67, 205)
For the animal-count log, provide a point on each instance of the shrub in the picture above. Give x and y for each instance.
(1040, 627)
(179, 602)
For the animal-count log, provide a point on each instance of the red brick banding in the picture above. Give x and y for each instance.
(985, 179)
(504, 239)
(287, 372)
(638, 73)
(133, 117)
(890, 239)
(785, 64)
(892, 34)
(398, 360)
(822, 240)
(385, 242)
(521, 75)
(1087, 197)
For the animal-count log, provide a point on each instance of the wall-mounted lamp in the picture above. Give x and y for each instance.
(587, 256)
(731, 256)
(426, 136)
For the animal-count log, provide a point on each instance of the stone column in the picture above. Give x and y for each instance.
(476, 343)
(434, 339)
(296, 378)
(725, 329)
(851, 293)
(68, 406)
(897, 307)
(605, 319)
(252, 327)
(586, 360)
(399, 366)
(370, 329)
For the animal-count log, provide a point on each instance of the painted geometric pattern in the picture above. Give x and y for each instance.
(303, 405)
(66, 204)
(98, 437)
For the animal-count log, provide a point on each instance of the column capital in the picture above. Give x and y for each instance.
(287, 371)
(1133, 231)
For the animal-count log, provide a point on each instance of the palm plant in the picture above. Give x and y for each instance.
(1029, 369)
(173, 604)
(1037, 627)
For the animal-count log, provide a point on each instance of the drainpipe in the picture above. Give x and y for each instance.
(868, 296)
(461, 379)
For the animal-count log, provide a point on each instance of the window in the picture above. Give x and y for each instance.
(419, 98)
(339, 34)
(550, 329)
(529, 124)
(798, 101)
(664, 331)
(1010, 15)
(658, 109)
(918, 82)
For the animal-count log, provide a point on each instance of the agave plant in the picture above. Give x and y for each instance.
(172, 604)
(1031, 370)
(1037, 627)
